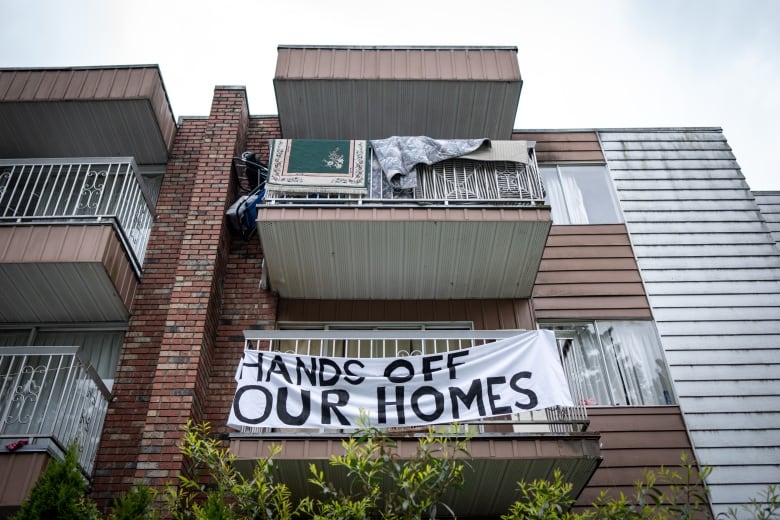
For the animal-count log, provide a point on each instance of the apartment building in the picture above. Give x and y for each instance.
(133, 279)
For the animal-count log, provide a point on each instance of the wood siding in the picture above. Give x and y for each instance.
(769, 204)
(18, 473)
(589, 272)
(85, 111)
(634, 439)
(712, 273)
(54, 273)
(562, 147)
(485, 314)
(444, 92)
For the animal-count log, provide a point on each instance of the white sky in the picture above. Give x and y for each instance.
(585, 63)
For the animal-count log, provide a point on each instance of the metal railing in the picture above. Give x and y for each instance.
(398, 343)
(453, 181)
(84, 190)
(51, 396)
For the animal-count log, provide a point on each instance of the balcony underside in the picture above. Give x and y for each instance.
(499, 462)
(18, 473)
(120, 111)
(390, 253)
(64, 273)
(377, 92)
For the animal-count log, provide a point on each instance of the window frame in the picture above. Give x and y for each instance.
(612, 389)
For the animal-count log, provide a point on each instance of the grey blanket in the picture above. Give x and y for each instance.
(397, 156)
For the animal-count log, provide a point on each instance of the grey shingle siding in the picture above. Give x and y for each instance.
(711, 267)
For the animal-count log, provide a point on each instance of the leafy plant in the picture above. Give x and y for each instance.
(60, 492)
(212, 488)
(385, 485)
(135, 504)
(678, 494)
(668, 493)
(765, 507)
(543, 500)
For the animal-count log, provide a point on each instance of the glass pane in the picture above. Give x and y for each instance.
(581, 354)
(554, 194)
(642, 377)
(589, 195)
(102, 348)
(619, 363)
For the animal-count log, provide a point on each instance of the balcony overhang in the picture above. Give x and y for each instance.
(381, 252)
(327, 92)
(85, 112)
(64, 273)
(498, 462)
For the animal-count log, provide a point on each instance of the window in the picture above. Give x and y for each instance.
(580, 194)
(620, 362)
(101, 346)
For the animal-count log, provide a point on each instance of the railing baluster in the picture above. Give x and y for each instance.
(388, 343)
(87, 190)
(68, 402)
(7, 377)
(444, 183)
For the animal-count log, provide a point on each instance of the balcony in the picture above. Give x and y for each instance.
(86, 112)
(505, 450)
(50, 398)
(73, 233)
(469, 229)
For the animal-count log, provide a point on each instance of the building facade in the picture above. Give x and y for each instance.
(132, 282)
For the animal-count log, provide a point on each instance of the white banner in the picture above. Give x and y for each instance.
(513, 375)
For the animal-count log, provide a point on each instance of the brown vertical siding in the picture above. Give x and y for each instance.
(485, 314)
(91, 84)
(558, 147)
(634, 439)
(71, 244)
(18, 473)
(408, 63)
(119, 268)
(589, 272)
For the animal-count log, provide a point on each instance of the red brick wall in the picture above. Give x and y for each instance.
(198, 293)
(180, 384)
(244, 305)
(124, 424)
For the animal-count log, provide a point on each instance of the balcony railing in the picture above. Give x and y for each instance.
(395, 343)
(84, 190)
(453, 181)
(51, 397)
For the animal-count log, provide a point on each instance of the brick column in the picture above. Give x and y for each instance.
(180, 385)
(123, 428)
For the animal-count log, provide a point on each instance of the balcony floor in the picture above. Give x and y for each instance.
(392, 253)
(64, 273)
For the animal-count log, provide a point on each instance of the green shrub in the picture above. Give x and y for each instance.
(385, 486)
(135, 504)
(60, 492)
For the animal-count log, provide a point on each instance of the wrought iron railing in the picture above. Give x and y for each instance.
(82, 190)
(51, 397)
(453, 181)
(395, 343)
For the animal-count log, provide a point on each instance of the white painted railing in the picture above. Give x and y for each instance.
(51, 397)
(453, 181)
(81, 190)
(395, 343)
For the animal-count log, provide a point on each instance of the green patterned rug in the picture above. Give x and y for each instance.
(318, 166)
